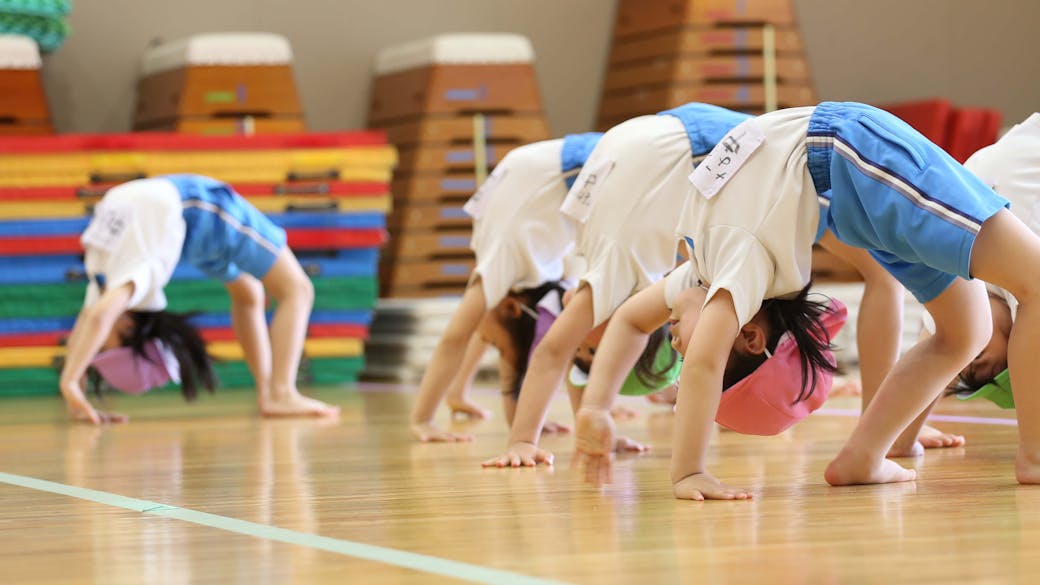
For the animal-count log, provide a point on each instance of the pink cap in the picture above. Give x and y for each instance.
(132, 373)
(764, 402)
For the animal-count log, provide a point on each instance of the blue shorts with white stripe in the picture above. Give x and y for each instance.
(225, 234)
(895, 193)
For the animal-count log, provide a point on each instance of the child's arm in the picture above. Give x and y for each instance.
(617, 353)
(445, 363)
(93, 325)
(463, 380)
(700, 390)
(545, 372)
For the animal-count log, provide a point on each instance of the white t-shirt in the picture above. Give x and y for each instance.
(1012, 168)
(519, 235)
(626, 201)
(754, 236)
(136, 235)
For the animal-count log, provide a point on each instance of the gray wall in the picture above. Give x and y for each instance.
(874, 51)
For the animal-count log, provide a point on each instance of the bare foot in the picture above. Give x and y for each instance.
(465, 409)
(666, 396)
(850, 469)
(298, 405)
(623, 413)
(626, 445)
(933, 438)
(429, 433)
(555, 428)
(1027, 469)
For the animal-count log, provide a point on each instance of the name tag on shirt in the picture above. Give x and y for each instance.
(726, 158)
(578, 203)
(108, 226)
(478, 201)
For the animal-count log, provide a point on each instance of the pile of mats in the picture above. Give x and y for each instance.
(404, 336)
(329, 191)
(43, 20)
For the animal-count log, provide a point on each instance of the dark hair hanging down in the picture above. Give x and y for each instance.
(522, 329)
(175, 331)
(803, 319)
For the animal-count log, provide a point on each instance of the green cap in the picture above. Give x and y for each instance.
(997, 390)
(633, 386)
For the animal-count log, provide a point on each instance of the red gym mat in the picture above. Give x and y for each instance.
(167, 141)
(329, 189)
(299, 239)
(314, 331)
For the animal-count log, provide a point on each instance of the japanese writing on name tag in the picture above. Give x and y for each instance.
(108, 226)
(478, 201)
(578, 203)
(726, 158)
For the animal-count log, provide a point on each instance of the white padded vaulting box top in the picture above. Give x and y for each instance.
(18, 52)
(218, 49)
(456, 49)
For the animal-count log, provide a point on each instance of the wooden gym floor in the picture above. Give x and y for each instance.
(209, 493)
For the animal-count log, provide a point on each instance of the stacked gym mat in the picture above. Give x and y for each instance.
(329, 191)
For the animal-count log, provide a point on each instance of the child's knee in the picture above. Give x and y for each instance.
(965, 339)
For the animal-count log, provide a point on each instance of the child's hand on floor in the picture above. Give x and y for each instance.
(702, 486)
(521, 454)
(81, 410)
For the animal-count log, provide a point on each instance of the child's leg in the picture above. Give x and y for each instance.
(963, 326)
(545, 372)
(1007, 254)
(460, 384)
(293, 294)
(445, 363)
(250, 327)
(878, 333)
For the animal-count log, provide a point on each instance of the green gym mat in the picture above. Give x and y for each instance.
(318, 371)
(31, 301)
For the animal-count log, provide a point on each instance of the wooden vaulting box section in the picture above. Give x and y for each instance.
(745, 55)
(454, 105)
(219, 84)
(23, 103)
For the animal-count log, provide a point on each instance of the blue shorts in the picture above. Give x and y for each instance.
(225, 235)
(893, 192)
